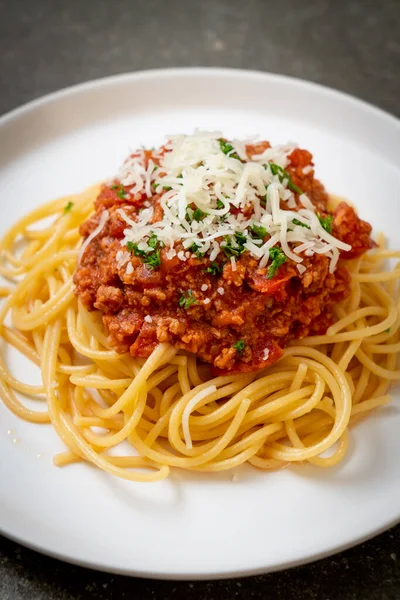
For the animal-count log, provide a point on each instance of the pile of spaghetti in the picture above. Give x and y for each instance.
(134, 410)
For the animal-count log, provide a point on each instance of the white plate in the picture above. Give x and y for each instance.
(197, 526)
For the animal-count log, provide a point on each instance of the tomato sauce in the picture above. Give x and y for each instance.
(236, 320)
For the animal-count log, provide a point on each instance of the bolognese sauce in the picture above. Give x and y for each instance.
(267, 265)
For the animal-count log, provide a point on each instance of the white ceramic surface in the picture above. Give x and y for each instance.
(196, 526)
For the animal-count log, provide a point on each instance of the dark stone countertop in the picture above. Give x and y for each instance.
(351, 45)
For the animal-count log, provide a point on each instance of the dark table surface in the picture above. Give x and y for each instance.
(350, 45)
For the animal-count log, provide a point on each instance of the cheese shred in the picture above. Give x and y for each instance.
(213, 194)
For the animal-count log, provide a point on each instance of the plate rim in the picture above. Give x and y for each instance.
(182, 72)
(221, 574)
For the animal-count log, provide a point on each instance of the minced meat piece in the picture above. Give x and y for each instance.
(238, 319)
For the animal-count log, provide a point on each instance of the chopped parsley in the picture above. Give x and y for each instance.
(153, 260)
(275, 169)
(214, 269)
(297, 222)
(227, 148)
(68, 207)
(152, 257)
(199, 215)
(234, 245)
(195, 215)
(136, 250)
(167, 188)
(220, 205)
(240, 238)
(195, 249)
(258, 231)
(239, 346)
(278, 257)
(282, 174)
(387, 330)
(121, 193)
(187, 299)
(326, 222)
(154, 242)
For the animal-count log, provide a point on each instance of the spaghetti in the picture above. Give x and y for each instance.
(137, 417)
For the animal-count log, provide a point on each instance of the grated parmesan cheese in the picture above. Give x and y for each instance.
(122, 258)
(194, 171)
(148, 319)
(301, 269)
(102, 221)
(181, 256)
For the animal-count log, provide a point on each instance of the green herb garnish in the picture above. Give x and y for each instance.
(240, 238)
(195, 215)
(227, 148)
(278, 257)
(326, 222)
(187, 299)
(136, 250)
(220, 205)
(258, 231)
(121, 193)
(239, 346)
(151, 258)
(234, 245)
(282, 174)
(297, 222)
(154, 242)
(68, 207)
(199, 215)
(195, 249)
(214, 269)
